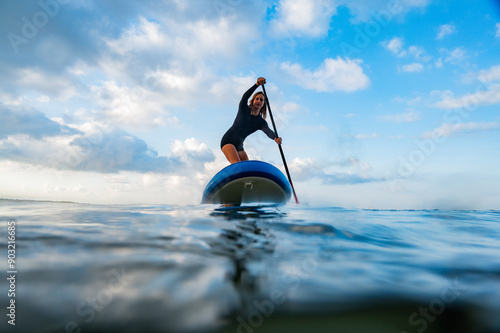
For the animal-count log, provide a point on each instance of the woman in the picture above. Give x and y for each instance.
(249, 119)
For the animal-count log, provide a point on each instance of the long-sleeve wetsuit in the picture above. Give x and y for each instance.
(245, 124)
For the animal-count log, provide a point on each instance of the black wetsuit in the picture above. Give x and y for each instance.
(245, 124)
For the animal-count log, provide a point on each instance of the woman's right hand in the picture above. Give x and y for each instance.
(261, 81)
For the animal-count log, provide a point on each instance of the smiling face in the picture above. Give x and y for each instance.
(256, 103)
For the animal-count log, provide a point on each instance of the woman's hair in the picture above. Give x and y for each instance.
(263, 110)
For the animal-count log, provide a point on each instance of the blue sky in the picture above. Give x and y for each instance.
(381, 104)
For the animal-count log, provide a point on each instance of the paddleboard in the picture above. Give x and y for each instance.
(248, 182)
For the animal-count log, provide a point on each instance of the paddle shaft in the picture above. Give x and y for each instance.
(281, 149)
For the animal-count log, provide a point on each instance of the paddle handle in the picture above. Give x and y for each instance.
(279, 145)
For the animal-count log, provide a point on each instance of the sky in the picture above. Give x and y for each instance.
(380, 104)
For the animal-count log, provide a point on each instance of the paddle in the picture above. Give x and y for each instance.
(281, 149)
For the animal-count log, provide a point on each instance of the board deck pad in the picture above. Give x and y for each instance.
(248, 182)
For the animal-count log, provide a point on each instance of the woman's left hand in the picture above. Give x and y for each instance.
(278, 140)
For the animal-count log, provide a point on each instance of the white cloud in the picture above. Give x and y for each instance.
(105, 148)
(53, 85)
(418, 52)
(455, 56)
(396, 46)
(497, 33)
(363, 10)
(305, 168)
(367, 136)
(312, 18)
(303, 18)
(408, 117)
(192, 152)
(286, 111)
(414, 101)
(41, 183)
(176, 59)
(31, 123)
(146, 35)
(486, 97)
(9, 100)
(183, 42)
(176, 62)
(486, 94)
(449, 129)
(120, 183)
(490, 75)
(332, 75)
(171, 89)
(91, 146)
(413, 67)
(181, 87)
(353, 171)
(132, 107)
(203, 39)
(446, 30)
(439, 63)
(174, 189)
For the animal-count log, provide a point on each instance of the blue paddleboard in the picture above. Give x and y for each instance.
(248, 182)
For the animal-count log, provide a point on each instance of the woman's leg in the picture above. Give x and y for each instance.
(243, 155)
(231, 153)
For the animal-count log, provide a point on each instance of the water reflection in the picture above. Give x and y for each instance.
(237, 212)
(247, 244)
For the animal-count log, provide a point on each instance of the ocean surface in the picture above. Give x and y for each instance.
(206, 268)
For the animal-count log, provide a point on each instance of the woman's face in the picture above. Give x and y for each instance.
(258, 101)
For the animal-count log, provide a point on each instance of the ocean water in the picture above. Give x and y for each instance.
(206, 268)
